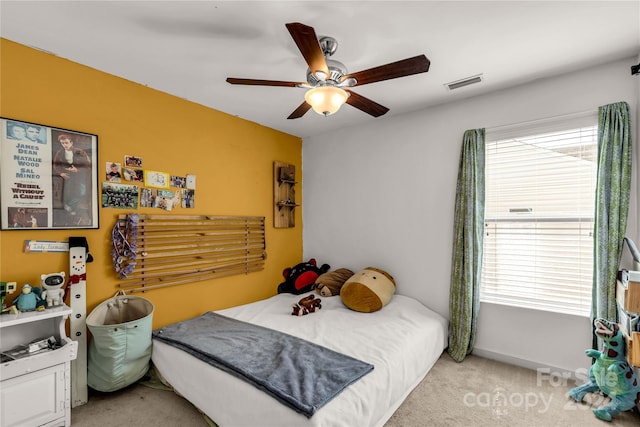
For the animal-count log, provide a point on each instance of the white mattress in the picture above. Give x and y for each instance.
(402, 341)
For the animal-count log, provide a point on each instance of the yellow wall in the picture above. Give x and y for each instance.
(232, 159)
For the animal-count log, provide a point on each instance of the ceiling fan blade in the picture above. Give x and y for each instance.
(402, 68)
(235, 81)
(307, 41)
(300, 111)
(365, 104)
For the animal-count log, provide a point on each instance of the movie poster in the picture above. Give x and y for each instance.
(48, 177)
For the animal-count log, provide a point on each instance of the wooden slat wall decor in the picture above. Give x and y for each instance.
(173, 250)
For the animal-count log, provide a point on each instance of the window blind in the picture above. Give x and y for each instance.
(539, 205)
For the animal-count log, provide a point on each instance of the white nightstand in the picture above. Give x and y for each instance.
(35, 389)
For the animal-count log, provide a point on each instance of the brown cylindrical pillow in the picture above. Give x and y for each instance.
(329, 284)
(368, 290)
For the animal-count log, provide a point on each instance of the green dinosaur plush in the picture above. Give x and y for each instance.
(610, 373)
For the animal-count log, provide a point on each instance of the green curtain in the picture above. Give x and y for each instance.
(611, 205)
(468, 232)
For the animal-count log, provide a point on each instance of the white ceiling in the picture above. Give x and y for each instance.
(189, 48)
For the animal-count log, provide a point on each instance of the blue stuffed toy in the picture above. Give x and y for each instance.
(301, 277)
(610, 373)
(29, 299)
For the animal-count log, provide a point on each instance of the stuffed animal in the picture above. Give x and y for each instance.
(6, 288)
(301, 277)
(53, 285)
(368, 290)
(610, 373)
(311, 303)
(29, 299)
(329, 284)
(306, 305)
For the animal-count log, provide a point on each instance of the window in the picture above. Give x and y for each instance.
(539, 207)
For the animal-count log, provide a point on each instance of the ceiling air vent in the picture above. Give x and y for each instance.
(464, 82)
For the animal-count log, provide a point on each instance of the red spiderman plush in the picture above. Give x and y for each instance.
(301, 277)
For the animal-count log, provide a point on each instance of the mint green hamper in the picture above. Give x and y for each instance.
(120, 348)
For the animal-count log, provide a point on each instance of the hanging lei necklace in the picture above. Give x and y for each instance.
(123, 238)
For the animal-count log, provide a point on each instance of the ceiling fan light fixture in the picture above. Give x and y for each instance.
(326, 100)
(326, 83)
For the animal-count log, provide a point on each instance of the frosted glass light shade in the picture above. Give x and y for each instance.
(326, 100)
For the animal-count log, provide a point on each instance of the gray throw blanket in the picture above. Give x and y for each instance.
(300, 374)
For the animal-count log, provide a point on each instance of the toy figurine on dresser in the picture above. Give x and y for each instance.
(53, 285)
(5, 289)
(29, 299)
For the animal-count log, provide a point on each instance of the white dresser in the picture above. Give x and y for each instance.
(35, 387)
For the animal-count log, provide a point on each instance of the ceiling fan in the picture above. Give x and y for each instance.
(328, 80)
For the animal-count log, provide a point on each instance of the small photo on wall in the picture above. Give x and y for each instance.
(188, 199)
(165, 200)
(176, 199)
(134, 175)
(133, 161)
(164, 204)
(156, 179)
(114, 172)
(178, 181)
(121, 196)
(190, 182)
(148, 197)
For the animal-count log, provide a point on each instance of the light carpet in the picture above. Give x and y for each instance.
(477, 392)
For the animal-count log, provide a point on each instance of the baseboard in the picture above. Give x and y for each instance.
(529, 364)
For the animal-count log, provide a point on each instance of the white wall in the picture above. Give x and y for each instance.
(383, 195)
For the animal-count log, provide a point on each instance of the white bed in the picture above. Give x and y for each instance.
(402, 341)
